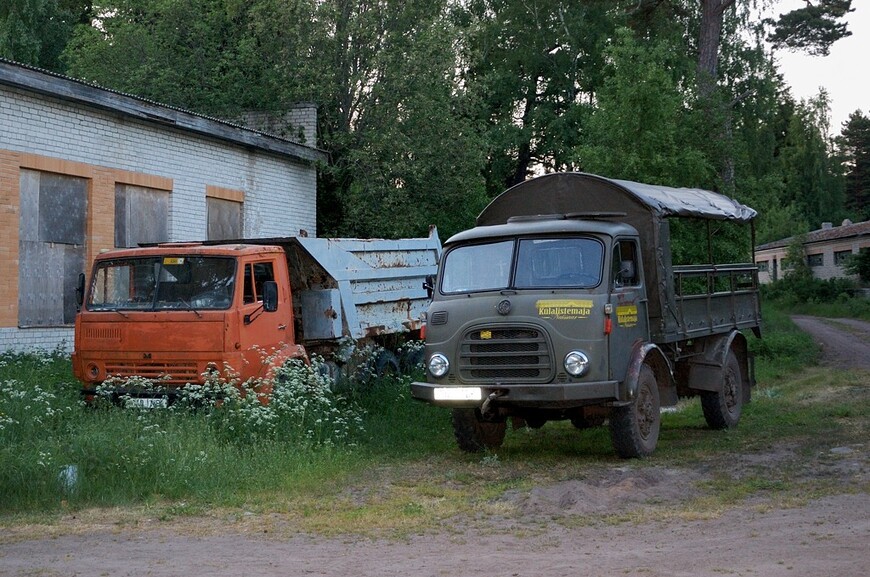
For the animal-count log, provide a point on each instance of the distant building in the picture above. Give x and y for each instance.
(84, 169)
(827, 250)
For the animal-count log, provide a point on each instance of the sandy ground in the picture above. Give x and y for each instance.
(555, 530)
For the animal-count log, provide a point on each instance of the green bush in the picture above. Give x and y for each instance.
(802, 289)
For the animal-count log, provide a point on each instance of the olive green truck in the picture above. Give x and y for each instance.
(563, 304)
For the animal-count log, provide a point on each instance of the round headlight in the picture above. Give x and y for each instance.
(576, 363)
(93, 371)
(438, 365)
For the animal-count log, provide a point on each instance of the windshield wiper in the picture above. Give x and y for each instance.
(111, 310)
(189, 307)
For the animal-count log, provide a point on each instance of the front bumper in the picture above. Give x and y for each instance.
(553, 395)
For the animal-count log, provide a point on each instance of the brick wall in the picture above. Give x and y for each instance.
(298, 124)
(826, 270)
(48, 134)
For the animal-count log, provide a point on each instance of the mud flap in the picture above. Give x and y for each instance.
(705, 369)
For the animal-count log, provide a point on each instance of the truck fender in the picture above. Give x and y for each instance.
(282, 355)
(705, 369)
(650, 354)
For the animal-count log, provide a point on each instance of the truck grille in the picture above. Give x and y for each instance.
(510, 354)
(178, 372)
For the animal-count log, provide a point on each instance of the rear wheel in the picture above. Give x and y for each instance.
(474, 434)
(386, 364)
(634, 428)
(722, 408)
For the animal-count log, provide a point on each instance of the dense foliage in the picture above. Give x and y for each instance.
(428, 108)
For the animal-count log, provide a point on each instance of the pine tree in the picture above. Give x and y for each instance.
(855, 146)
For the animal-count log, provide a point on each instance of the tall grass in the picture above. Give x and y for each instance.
(783, 348)
(57, 451)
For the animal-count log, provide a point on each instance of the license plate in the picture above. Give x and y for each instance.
(458, 394)
(146, 403)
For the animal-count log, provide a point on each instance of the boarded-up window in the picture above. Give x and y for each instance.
(841, 257)
(51, 247)
(224, 218)
(141, 215)
(815, 259)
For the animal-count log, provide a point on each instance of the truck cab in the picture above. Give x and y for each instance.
(172, 312)
(538, 303)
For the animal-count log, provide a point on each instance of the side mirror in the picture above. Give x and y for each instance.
(270, 296)
(80, 290)
(429, 285)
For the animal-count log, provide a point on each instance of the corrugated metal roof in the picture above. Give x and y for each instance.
(71, 89)
(824, 234)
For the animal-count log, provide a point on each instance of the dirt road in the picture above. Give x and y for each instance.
(828, 537)
(556, 530)
(845, 342)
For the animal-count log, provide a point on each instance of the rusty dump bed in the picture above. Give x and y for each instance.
(361, 287)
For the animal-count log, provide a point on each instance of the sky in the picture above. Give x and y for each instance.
(844, 73)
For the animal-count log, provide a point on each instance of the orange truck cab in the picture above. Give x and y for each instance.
(172, 312)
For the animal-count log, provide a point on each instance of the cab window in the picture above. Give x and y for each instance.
(255, 275)
(625, 264)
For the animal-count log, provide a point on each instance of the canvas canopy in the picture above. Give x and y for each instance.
(575, 192)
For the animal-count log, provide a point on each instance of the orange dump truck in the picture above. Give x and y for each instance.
(171, 312)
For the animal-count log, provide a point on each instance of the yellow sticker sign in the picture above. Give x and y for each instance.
(626, 315)
(485, 335)
(170, 260)
(564, 309)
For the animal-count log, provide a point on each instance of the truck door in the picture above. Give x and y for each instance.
(628, 304)
(259, 330)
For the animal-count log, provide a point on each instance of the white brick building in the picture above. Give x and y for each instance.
(826, 249)
(83, 169)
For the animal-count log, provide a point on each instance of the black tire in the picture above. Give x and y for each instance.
(386, 364)
(331, 370)
(473, 434)
(634, 428)
(412, 360)
(722, 408)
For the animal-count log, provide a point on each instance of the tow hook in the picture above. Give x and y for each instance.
(485, 407)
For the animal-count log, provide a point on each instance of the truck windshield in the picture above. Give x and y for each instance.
(163, 282)
(524, 264)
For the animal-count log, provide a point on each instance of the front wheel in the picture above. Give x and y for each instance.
(634, 428)
(474, 434)
(722, 408)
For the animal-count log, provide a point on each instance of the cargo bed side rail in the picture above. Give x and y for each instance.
(712, 299)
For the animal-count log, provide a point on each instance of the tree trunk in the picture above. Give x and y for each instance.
(712, 14)
(524, 154)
